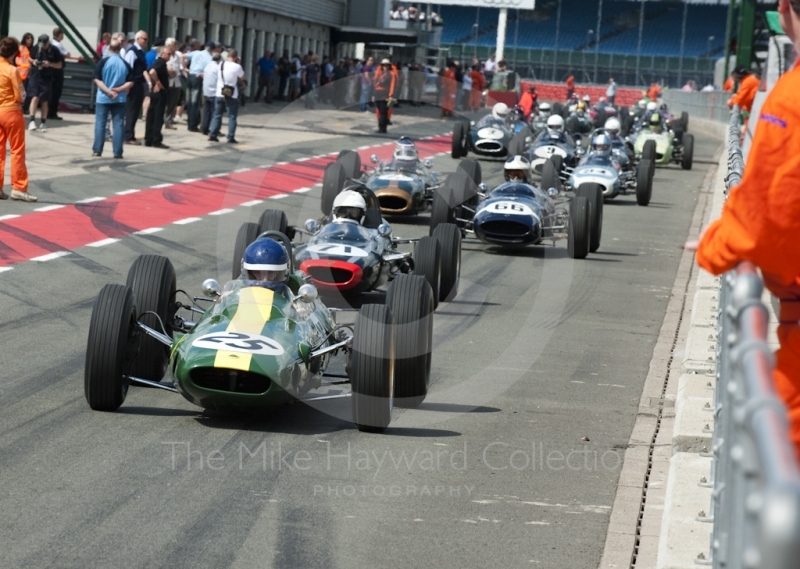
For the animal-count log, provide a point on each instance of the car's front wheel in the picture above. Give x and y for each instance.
(372, 368)
(449, 237)
(579, 230)
(644, 182)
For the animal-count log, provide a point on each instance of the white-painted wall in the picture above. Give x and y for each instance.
(28, 16)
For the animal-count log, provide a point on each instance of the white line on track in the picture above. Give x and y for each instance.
(278, 196)
(240, 170)
(162, 186)
(221, 211)
(127, 192)
(363, 147)
(9, 216)
(103, 242)
(4, 269)
(148, 231)
(252, 203)
(281, 164)
(190, 180)
(49, 207)
(90, 200)
(51, 256)
(303, 159)
(301, 190)
(186, 221)
(218, 175)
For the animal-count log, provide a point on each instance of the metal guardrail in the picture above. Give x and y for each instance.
(735, 156)
(712, 105)
(755, 504)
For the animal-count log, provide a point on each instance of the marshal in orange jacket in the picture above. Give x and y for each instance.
(761, 223)
(746, 94)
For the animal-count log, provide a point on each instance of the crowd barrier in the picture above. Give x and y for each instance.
(712, 105)
(755, 503)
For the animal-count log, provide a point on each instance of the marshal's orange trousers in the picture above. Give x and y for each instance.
(12, 131)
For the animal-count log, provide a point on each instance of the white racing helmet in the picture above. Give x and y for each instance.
(349, 206)
(652, 106)
(613, 126)
(517, 168)
(642, 104)
(545, 108)
(500, 111)
(556, 122)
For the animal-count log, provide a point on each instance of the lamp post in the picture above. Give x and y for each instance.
(475, 36)
(589, 35)
(708, 45)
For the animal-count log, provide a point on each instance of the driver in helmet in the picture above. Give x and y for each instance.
(545, 110)
(581, 108)
(652, 109)
(265, 263)
(500, 111)
(349, 207)
(601, 145)
(405, 154)
(656, 123)
(517, 169)
(555, 129)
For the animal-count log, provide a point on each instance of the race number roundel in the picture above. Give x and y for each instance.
(337, 250)
(510, 208)
(241, 342)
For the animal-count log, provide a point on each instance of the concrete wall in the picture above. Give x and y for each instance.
(28, 16)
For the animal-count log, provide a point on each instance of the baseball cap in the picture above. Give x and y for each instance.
(211, 44)
(44, 38)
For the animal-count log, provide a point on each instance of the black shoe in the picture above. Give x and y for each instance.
(389, 123)
(233, 141)
(213, 139)
(194, 130)
(160, 145)
(55, 118)
(118, 157)
(96, 154)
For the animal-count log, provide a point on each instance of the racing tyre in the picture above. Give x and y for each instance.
(457, 146)
(428, 263)
(594, 194)
(410, 299)
(644, 182)
(151, 278)
(248, 233)
(372, 368)
(351, 162)
(678, 135)
(685, 121)
(688, 151)
(649, 151)
(550, 177)
(517, 145)
(441, 212)
(110, 349)
(473, 170)
(558, 162)
(332, 184)
(578, 233)
(572, 126)
(273, 220)
(449, 238)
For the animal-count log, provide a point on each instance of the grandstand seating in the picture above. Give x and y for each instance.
(619, 28)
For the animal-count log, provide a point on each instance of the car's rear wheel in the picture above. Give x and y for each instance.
(678, 135)
(410, 298)
(457, 144)
(688, 152)
(111, 348)
(428, 263)
(594, 194)
(578, 232)
(274, 220)
(649, 151)
(351, 162)
(151, 278)
(449, 237)
(685, 121)
(248, 233)
(644, 182)
(332, 183)
(372, 368)
(550, 177)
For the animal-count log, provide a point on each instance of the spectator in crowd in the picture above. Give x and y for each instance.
(748, 87)
(689, 87)
(490, 67)
(527, 101)
(119, 36)
(478, 85)
(284, 71)
(383, 92)
(12, 123)
(23, 62)
(158, 86)
(449, 89)
(570, 87)
(500, 79)
(295, 76)
(210, 78)
(611, 91)
(266, 67)
(760, 221)
(46, 58)
(58, 76)
(710, 88)
(114, 78)
(198, 60)
(311, 74)
(464, 92)
(174, 70)
(104, 41)
(340, 84)
(227, 98)
(418, 80)
(134, 100)
(367, 74)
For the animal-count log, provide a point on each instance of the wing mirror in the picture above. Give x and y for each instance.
(210, 288)
(374, 158)
(307, 293)
(428, 164)
(552, 192)
(384, 230)
(311, 226)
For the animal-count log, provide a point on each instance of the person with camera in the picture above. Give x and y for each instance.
(58, 76)
(227, 97)
(46, 59)
(158, 86)
(12, 123)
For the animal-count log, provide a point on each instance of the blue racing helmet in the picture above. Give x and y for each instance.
(265, 261)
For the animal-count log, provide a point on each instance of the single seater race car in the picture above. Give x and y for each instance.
(257, 345)
(664, 146)
(552, 142)
(518, 212)
(489, 136)
(404, 184)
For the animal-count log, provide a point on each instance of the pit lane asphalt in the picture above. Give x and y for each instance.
(536, 353)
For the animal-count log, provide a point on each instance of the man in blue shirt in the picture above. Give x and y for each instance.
(114, 78)
(198, 59)
(266, 67)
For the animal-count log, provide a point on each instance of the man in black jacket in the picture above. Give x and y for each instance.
(135, 57)
(158, 83)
